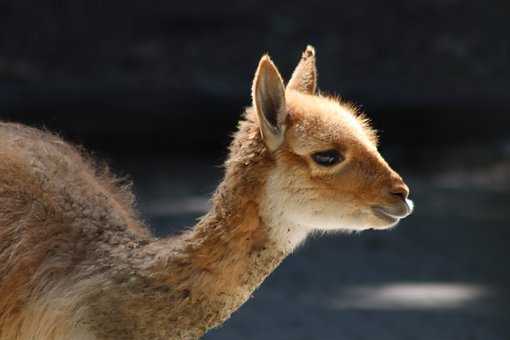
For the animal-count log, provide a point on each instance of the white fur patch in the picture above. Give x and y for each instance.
(284, 229)
(292, 212)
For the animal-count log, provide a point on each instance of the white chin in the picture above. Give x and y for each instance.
(358, 223)
(386, 226)
(333, 223)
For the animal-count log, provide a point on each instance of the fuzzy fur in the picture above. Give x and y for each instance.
(77, 263)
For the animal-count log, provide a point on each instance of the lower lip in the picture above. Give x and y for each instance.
(382, 215)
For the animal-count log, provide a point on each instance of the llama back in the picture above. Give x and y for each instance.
(59, 217)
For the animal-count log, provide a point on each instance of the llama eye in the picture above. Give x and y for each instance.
(327, 158)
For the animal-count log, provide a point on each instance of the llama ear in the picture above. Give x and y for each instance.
(268, 96)
(304, 78)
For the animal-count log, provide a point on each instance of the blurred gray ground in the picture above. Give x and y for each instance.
(441, 274)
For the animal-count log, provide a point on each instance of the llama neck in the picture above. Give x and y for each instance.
(227, 255)
(183, 286)
(186, 285)
(215, 267)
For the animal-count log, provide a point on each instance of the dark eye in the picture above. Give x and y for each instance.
(327, 158)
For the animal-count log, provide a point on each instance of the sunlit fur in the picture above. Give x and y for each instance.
(76, 263)
(303, 196)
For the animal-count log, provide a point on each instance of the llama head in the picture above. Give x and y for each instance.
(327, 173)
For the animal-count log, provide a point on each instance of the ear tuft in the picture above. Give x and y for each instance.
(268, 96)
(304, 77)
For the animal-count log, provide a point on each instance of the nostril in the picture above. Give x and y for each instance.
(401, 191)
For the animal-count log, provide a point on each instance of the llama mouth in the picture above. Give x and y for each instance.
(385, 215)
(395, 214)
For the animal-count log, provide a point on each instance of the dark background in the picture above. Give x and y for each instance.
(156, 88)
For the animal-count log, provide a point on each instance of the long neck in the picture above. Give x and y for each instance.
(193, 282)
(182, 286)
(217, 265)
(185, 285)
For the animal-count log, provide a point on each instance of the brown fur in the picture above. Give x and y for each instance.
(76, 262)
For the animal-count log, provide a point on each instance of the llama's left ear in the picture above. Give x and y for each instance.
(304, 78)
(268, 96)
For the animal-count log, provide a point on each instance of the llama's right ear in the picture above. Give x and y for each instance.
(268, 96)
